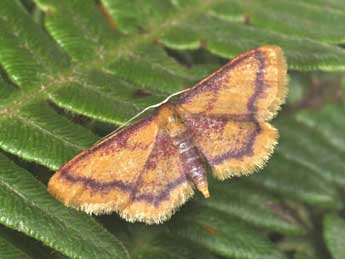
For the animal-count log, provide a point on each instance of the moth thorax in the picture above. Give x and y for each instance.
(194, 166)
(175, 126)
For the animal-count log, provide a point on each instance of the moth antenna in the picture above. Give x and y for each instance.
(142, 112)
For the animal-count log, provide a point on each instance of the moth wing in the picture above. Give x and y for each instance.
(135, 172)
(227, 111)
(162, 186)
(232, 146)
(255, 82)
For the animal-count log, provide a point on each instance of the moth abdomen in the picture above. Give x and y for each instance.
(194, 166)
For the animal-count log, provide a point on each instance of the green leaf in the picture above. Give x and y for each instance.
(333, 233)
(152, 243)
(302, 256)
(28, 54)
(18, 245)
(239, 199)
(305, 185)
(223, 235)
(38, 126)
(297, 19)
(10, 250)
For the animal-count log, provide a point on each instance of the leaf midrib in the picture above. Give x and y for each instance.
(124, 47)
(33, 124)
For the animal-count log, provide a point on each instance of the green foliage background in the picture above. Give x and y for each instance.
(73, 70)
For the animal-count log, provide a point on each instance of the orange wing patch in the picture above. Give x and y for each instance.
(96, 180)
(136, 172)
(232, 145)
(226, 112)
(162, 186)
(147, 170)
(254, 82)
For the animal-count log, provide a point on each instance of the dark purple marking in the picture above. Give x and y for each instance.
(94, 184)
(163, 147)
(246, 151)
(259, 82)
(259, 88)
(121, 137)
(218, 122)
(163, 195)
(213, 82)
(213, 122)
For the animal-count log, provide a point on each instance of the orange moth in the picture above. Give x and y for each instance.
(145, 171)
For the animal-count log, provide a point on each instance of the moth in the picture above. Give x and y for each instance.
(148, 169)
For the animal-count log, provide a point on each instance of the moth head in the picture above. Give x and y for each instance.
(170, 120)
